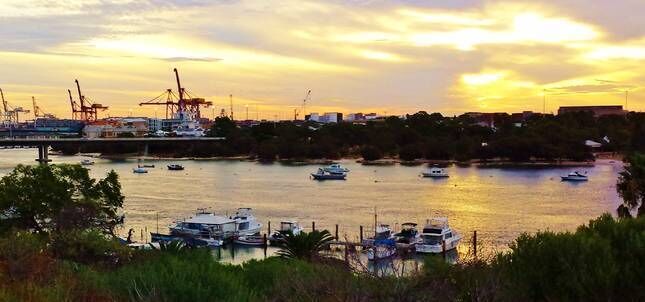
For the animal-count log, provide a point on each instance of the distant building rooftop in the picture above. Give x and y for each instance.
(596, 110)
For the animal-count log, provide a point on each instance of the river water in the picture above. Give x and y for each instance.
(499, 203)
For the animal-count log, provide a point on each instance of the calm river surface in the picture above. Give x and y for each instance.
(498, 203)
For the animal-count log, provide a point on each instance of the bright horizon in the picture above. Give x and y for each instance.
(391, 57)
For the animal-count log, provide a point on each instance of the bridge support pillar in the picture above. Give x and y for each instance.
(43, 154)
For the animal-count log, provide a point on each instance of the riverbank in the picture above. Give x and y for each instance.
(491, 163)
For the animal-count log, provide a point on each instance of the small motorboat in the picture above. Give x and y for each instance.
(335, 168)
(87, 162)
(251, 240)
(435, 172)
(382, 232)
(382, 249)
(175, 167)
(278, 236)
(575, 176)
(437, 236)
(408, 236)
(322, 175)
(139, 170)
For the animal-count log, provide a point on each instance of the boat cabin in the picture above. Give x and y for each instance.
(436, 231)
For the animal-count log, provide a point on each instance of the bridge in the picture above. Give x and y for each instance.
(43, 143)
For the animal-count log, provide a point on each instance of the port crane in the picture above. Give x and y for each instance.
(181, 104)
(85, 109)
(38, 112)
(296, 112)
(10, 114)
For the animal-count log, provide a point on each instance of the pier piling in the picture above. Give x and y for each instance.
(336, 234)
(269, 227)
(361, 235)
(475, 244)
(313, 226)
(443, 249)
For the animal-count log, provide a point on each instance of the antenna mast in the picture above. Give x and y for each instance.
(231, 101)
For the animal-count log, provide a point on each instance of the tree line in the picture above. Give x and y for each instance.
(437, 137)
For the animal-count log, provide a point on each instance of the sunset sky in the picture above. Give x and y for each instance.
(450, 56)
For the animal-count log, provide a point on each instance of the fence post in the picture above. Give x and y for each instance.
(443, 249)
(336, 232)
(475, 244)
(313, 226)
(361, 235)
(269, 227)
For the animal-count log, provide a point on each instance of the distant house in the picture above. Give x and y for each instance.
(596, 110)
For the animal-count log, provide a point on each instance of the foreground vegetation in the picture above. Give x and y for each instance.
(600, 262)
(57, 243)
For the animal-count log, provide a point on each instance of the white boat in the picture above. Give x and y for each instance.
(285, 227)
(139, 170)
(435, 235)
(435, 172)
(382, 249)
(382, 232)
(575, 176)
(219, 227)
(335, 168)
(252, 240)
(322, 175)
(87, 162)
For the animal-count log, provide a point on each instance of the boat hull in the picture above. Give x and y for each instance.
(436, 248)
(573, 178)
(328, 176)
(429, 175)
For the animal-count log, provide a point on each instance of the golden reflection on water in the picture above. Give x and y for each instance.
(498, 203)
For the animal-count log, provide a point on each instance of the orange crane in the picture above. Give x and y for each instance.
(87, 110)
(179, 105)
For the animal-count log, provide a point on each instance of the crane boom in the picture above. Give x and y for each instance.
(4, 103)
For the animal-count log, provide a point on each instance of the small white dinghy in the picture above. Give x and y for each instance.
(435, 172)
(139, 170)
(87, 162)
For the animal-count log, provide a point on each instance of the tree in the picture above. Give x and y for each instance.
(267, 151)
(305, 246)
(223, 127)
(57, 198)
(371, 153)
(410, 152)
(631, 187)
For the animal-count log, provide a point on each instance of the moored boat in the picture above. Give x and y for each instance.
(382, 232)
(382, 249)
(335, 168)
(87, 162)
(435, 172)
(437, 237)
(175, 167)
(408, 236)
(322, 175)
(252, 240)
(286, 227)
(139, 170)
(575, 176)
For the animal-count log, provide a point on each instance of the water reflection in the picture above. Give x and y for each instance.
(498, 203)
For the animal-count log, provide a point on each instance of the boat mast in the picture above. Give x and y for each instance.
(375, 224)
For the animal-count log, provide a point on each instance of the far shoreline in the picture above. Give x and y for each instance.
(493, 163)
